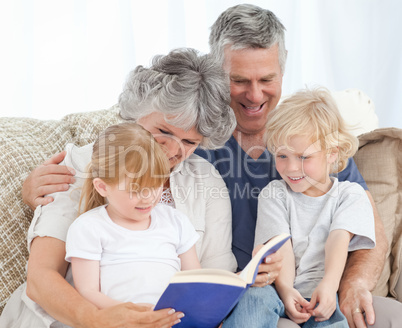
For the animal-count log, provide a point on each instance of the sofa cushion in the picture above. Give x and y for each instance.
(379, 160)
(357, 109)
(24, 144)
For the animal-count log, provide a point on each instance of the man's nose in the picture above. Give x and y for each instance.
(255, 94)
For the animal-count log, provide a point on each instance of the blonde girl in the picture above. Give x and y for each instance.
(126, 245)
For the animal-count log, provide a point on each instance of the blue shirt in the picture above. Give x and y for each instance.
(245, 178)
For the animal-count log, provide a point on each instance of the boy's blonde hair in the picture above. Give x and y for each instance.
(312, 113)
(124, 152)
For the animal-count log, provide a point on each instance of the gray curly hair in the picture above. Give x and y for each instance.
(247, 26)
(190, 89)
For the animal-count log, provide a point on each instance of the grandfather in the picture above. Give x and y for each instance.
(250, 42)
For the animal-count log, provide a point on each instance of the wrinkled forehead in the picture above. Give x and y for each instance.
(251, 58)
(164, 124)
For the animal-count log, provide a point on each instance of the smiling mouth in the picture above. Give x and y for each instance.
(296, 178)
(252, 109)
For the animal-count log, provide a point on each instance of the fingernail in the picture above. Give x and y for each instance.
(181, 315)
(267, 260)
(171, 311)
(176, 322)
(72, 171)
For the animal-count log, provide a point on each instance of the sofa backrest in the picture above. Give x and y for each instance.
(24, 144)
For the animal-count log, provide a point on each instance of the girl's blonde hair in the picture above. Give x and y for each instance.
(124, 152)
(312, 113)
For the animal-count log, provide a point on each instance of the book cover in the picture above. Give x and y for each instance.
(206, 296)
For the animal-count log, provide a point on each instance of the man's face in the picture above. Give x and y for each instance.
(255, 86)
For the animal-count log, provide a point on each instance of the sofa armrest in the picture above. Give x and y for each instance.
(398, 288)
(379, 160)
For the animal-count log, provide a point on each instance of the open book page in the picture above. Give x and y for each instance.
(250, 272)
(206, 296)
(218, 276)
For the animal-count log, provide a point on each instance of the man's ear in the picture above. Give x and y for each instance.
(100, 186)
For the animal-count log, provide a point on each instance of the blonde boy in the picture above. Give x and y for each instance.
(326, 218)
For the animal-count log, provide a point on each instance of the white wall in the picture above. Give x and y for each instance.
(63, 56)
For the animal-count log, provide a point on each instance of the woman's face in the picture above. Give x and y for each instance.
(176, 143)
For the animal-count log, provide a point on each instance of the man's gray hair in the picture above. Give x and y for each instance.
(190, 89)
(247, 26)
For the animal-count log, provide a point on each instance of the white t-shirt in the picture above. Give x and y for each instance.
(135, 266)
(309, 220)
(198, 191)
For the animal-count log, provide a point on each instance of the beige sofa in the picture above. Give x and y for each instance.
(26, 143)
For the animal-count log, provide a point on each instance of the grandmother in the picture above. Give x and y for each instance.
(183, 100)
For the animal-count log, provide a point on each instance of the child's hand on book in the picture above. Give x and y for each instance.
(295, 305)
(323, 301)
(269, 269)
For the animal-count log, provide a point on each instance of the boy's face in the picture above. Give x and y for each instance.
(305, 166)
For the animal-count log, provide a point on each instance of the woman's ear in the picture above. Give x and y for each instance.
(100, 186)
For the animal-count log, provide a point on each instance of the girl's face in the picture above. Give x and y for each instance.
(128, 208)
(305, 167)
(177, 143)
